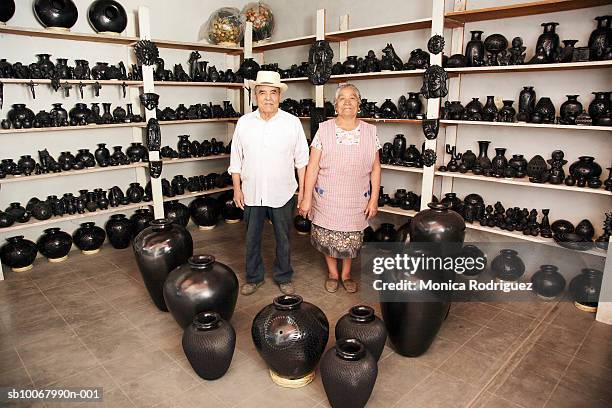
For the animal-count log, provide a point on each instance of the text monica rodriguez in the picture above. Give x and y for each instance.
(379, 285)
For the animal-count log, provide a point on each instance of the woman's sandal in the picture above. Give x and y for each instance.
(331, 285)
(350, 285)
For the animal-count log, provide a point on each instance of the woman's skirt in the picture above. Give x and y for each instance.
(337, 244)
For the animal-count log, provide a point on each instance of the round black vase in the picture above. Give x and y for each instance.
(229, 211)
(585, 289)
(204, 212)
(56, 14)
(202, 284)
(119, 231)
(89, 238)
(107, 17)
(413, 318)
(55, 244)
(348, 372)
(302, 225)
(290, 335)
(362, 324)
(141, 220)
(547, 282)
(208, 343)
(507, 266)
(18, 253)
(177, 212)
(159, 249)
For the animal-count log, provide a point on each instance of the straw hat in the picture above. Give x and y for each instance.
(268, 78)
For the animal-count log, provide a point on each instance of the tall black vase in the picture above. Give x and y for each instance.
(348, 372)
(413, 318)
(209, 344)
(362, 324)
(119, 230)
(201, 285)
(159, 249)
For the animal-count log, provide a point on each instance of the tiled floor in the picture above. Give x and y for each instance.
(89, 322)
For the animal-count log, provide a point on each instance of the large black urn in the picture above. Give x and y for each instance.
(160, 248)
(119, 230)
(202, 284)
(204, 212)
(413, 318)
(55, 244)
(18, 253)
(89, 238)
(209, 344)
(290, 335)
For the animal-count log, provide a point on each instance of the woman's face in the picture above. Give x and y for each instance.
(347, 103)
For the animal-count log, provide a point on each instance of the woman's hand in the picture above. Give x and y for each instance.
(371, 209)
(304, 207)
(239, 198)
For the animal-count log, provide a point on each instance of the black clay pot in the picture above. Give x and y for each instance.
(79, 113)
(585, 168)
(89, 238)
(141, 220)
(41, 211)
(479, 257)
(548, 282)
(362, 324)
(107, 16)
(135, 193)
(56, 14)
(208, 343)
(290, 335)
(302, 225)
(160, 248)
(20, 113)
(204, 212)
(585, 229)
(414, 319)
(248, 69)
(527, 102)
(348, 373)
(561, 227)
(600, 39)
(570, 110)
(18, 253)
(200, 285)
(507, 266)
(6, 220)
(545, 111)
(55, 244)
(399, 146)
(229, 211)
(177, 212)
(119, 231)
(102, 155)
(473, 110)
(7, 9)
(585, 289)
(475, 50)
(385, 233)
(548, 41)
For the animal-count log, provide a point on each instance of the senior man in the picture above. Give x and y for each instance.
(267, 146)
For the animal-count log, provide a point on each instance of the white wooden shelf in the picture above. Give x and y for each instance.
(299, 79)
(118, 82)
(198, 193)
(402, 168)
(197, 46)
(521, 9)
(524, 182)
(524, 125)
(374, 120)
(195, 121)
(200, 84)
(377, 75)
(54, 220)
(418, 24)
(530, 68)
(73, 128)
(194, 159)
(13, 179)
(68, 35)
(291, 42)
(397, 211)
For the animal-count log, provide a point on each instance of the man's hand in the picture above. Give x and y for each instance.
(371, 209)
(304, 207)
(239, 198)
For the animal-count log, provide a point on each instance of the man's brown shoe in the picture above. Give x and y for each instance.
(250, 288)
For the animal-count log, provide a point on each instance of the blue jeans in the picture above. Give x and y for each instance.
(282, 219)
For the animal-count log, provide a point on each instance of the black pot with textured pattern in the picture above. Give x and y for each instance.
(159, 249)
(55, 244)
(362, 324)
(290, 335)
(348, 372)
(209, 344)
(202, 284)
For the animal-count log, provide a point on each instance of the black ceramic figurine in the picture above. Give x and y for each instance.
(320, 61)
(434, 82)
(146, 52)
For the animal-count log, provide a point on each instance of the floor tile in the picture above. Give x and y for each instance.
(439, 390)
(139, 363)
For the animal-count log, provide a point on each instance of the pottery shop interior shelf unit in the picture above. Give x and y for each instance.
(134, 88)
(438, 183)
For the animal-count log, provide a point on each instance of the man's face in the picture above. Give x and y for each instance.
(268, 98)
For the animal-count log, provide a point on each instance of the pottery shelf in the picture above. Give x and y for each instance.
(377, 75)
(194, 159)
(195, 121)
(197, 46)
(524, 125)
(521, 9)
(198, 193)
(299, 79)
(54, 220)
(498, 231)
(72, 81)
(419, 24)
(530, 68)
(380, 120)
(18, 179)
(525, 183)
(207, 84)
(72, 128)
(67, 35)
(401, 168)
(292, 42)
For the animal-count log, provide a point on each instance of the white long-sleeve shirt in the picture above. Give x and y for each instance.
(265, 153)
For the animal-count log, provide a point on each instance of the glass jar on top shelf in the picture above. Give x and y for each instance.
(224, 27)
(260, 14)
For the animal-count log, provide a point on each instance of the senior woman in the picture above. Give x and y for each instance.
(341, 186)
